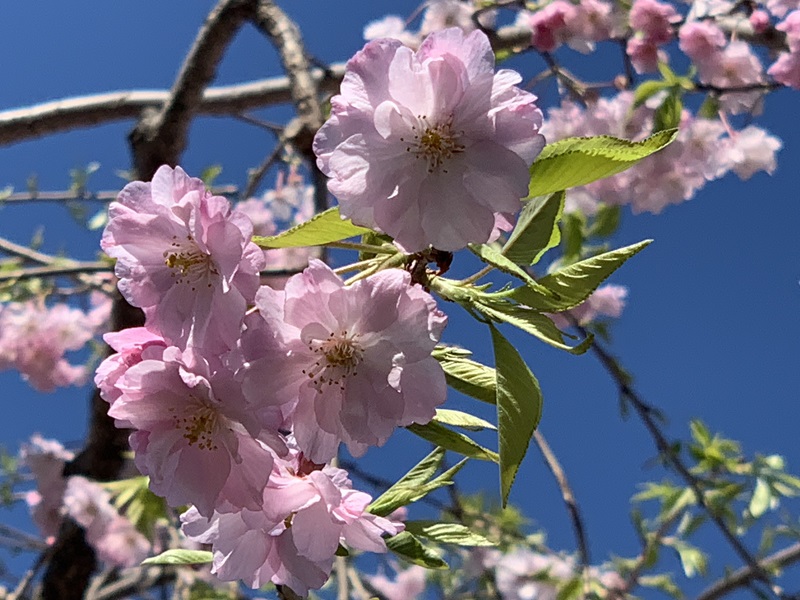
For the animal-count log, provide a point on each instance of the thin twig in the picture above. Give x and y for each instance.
(746, 575)
(568, 496)
(645, 413)
(102, 196)
(55, 270)
(256, 175)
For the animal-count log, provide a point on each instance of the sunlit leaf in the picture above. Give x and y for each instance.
(519, 408)
(409, 548)
(326, 227)
(452, 440)
(447, 533)
(462, 420)
(179, 556)
(536, 230)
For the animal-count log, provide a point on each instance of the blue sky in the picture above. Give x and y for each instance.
(711, 330)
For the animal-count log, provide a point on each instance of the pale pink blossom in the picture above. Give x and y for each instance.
(606, 301)
(430, 147)
(35, 338)
(408, 584)
(196, 439)
(391, 26)
(46, 460)
(753, 151)
(114, 538)
(441, 14)
(786, 69)
(549, 24)
(791, 27)
(644, 54)
(654, 19)
(736, 66)
(184, 257)
(780, 8)
(307, 511)
(525, 575)
(346, 363)
(702, 41)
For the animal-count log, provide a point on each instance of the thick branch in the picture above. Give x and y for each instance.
(160, 136)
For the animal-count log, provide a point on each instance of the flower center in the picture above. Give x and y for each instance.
(198, 427)
(338, 357)
(434, 143)
(188, 263)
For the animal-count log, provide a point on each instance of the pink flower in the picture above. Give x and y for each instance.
(441, 14)
(391, 26)
(196, 437)
(307, 511)
(753, 151)
(654, 19)
(353, 362)
(760, 20)
(702, 41)
(607, 301)
(34, 339)
(791, 27)
(121, 544)
(184, 257)
(46, 460)
(431, 146)
(409, 584)
(786, 69)
(780, 7)
(644, 55)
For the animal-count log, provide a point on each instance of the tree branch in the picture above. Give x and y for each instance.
(160, 136)
(746, 575)
(567, 495)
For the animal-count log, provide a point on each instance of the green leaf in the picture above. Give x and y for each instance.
(571, 589)
(210, 174)
(326, 227)
(492, 257)
(519, 408)
(646, 90)
(452, 440)
(606, 221)
(536, 230)
(456, 418)
(709, 109)
(693, 560)
(414, 484)
(409, 548)
(447, 533)
(572, 236)
(179, 556)
(533, 322)
(668, 114)
(576, 282)
(467, 376)
(761, 500)
(572, 162)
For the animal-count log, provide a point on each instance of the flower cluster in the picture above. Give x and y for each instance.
(212, 388)
(34, 339)
(114, 538)
(704, 150)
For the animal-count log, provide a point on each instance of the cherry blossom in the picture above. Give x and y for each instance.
(307, 511)
(344, 363)
(46, 459)
(184, 257)
(195, 437)
(430, 147)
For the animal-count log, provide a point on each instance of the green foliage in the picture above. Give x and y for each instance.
(668, 114)
(409, 548)
(210, 173)
(536, 230)
(465, 375)
(452, 440)
(574, 283)
(142, 507)
(519, 409)
(500, 262)
(573, 162)
(447, 533)
(180, 556)
(323, 228)
(462, 420)
(415, 484)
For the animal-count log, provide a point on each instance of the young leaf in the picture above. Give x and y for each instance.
(572, 162)
(492, 257)
(326, 227)
(668, 114)
(447, 533)
(467, 376)
(646, 89)
(451, 440)
(576, 282)
(536, 230)
(179, 556)
(409, 548)
(456, 418)
(519, 408)
(533, 322)
(413, 486)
